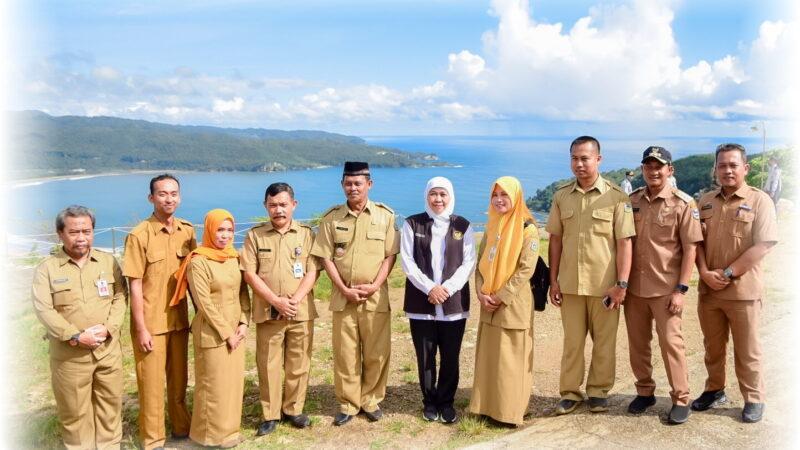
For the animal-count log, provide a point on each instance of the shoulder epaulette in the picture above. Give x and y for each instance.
(683, 195)
(638, 189)
(304, 225)
(185, 222)
(384, 207)
(565, 185)
(260, 224)
(614, 186)
(330, 210)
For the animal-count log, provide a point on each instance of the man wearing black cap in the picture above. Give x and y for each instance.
(664, 249)
(357, 243)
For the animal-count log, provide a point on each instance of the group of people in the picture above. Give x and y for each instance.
(605, 249)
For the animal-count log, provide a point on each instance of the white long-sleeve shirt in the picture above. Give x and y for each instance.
(423, 282)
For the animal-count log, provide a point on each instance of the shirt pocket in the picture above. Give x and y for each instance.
(568, 222)
(63, 296)
(602, 221)
(376, 242)
(742, 223)
(155, 256)
(342, 234)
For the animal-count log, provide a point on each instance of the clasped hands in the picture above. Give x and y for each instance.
(92, 337)
(489, 302)
(359, 293)
(237, 337)
(715, 279)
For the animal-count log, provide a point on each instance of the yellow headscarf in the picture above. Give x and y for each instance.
(207, 249)
(504, 234)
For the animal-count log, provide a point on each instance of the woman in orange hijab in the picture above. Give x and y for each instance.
(507, 258)
(219, 329)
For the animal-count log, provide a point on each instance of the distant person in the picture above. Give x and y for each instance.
(438, 256)
(590, 226)
(626, 183)
(358, 243)
(278, 266)
(739, 229)
(219, 331)
(80, 295)
(664, 251)
(672, 181)
(507, 258)
(774, 184)
(154, 250)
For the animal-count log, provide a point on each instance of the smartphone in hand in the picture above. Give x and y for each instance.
(607, 301)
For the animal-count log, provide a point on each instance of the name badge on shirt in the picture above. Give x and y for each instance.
(297, 269)
(102, 288)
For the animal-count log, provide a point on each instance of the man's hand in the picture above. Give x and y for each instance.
(285, 306)
(88, 340)
(555, 294)
(368, 288)
(144, 341)
(617, 294)
(715, 279)
(438, 295)
(675, 303)
(355, 295)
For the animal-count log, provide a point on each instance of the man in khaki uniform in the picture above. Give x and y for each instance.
(357, 244)
(80, 296)
(590, 226)
(154, 251)
(278, 265)
(664, 250)
(739, 229)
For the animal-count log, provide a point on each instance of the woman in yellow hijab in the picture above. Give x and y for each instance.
(507, 258)
(219, 329)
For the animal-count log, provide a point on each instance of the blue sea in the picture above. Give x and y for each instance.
(121, 200)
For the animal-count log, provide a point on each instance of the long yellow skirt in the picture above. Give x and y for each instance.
(503, 373)
(218, 393)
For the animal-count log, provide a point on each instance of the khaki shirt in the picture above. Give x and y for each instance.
(731, 226)
(358, 244)
(221, 297)
(589, 224)
(663, 225)
(154, 255)
(272, 256)
(516, 310)
(67, 301)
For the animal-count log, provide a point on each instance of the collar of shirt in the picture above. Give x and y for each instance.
(368, 207)
(665, 193)
(62, 257)
(294, 226)
(157, 226)
(741, 192)
(599, 184)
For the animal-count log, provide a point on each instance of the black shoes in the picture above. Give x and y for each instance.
(374, 416)
(298, 421)
(267, 427)
(678, 415)
(448, 415)
(597, 404)
(566, 406)
(641, 403)
(752, 412)
(341, 419)
(709, 399)
(430, 414)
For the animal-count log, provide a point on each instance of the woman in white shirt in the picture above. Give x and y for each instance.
(438, 257)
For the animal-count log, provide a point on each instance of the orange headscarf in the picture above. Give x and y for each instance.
(207, 249)
(504, 234)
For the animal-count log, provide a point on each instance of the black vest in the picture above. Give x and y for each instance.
(416, 301)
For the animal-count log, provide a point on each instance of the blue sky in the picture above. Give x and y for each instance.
(508, 67)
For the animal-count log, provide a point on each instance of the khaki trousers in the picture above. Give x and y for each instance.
(582, 314)
(741, 317)
(639, 315)
(89, 401)
(361, 349)
(283, 347)
(218, 394)
(166, 363)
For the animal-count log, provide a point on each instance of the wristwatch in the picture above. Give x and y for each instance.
(622, 284)
(728, 273)
(73, 341)
(682, 288)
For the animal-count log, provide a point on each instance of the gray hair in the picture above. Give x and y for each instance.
(73, 211)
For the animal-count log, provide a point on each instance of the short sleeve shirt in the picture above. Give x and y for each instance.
(731, 226)
(664, 224)
(358, 244)
(154, 255)
(589, 223)
(273, 256)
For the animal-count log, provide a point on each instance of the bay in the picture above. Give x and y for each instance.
(121, 200)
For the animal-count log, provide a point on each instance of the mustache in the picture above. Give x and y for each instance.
(279, 216)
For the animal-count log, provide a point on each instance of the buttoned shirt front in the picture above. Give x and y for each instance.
(68, 299)
(664, 224)
(589, 223)
(272, 256)
(154, 255)
(358, 244)
(731, 225)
